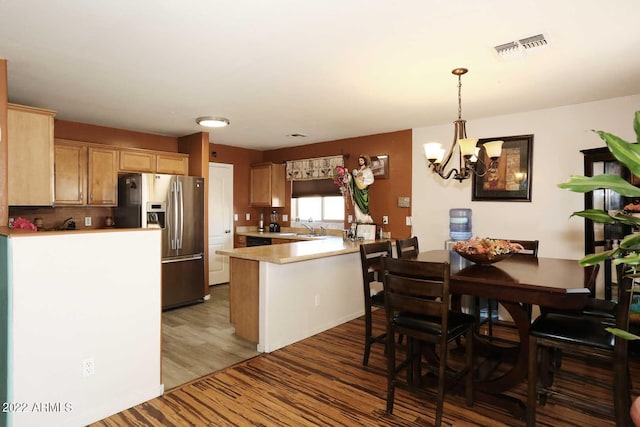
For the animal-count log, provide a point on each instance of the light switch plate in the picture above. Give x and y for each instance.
(247, 216)
(285, 217)
(235, 217)
(87, 221)
(404, 202)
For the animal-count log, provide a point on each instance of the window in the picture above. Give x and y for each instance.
(318, 208)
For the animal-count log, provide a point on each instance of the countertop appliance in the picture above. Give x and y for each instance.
(274, 226)
(174, 204)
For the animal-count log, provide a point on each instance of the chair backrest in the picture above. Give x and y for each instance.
(407, 248)
(530, 247)
(590, 276)
(416, 287)
(371, 260)
(625, 298)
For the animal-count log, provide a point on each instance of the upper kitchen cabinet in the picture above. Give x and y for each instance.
(138, 160)
(103, 176)
(30, 156)
(267, 185)
(172, 163)
(85, 174)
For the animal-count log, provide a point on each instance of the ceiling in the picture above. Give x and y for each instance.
(327, 69)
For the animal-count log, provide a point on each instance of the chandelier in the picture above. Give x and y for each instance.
(468, 154)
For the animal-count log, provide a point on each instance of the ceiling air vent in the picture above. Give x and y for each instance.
(517, 48)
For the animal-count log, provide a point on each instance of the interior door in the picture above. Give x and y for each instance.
(220, 220)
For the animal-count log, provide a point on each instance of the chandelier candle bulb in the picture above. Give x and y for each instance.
(467, 146)
(494, 149)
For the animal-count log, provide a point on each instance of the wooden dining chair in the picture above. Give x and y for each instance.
(407, 248)
(530, 249)
(417, 306)
(371, 261)
(584, 335)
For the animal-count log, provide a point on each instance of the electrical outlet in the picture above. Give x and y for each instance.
(88, 367)
(87, 221)
(385, 219)
(285, 217)
(316, 300)
(350, 219)
(408, 220)
(247, 216)
(235, 217)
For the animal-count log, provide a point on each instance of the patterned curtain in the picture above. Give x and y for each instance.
(317, 168)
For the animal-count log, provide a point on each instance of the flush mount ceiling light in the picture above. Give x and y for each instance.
(464, 148)
(212, 122)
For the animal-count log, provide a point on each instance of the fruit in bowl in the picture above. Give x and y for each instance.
(486, 251)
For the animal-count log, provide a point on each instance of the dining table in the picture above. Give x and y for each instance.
(517, 283)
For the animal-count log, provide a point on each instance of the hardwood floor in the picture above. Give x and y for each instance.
(320, 382)
(198, 340)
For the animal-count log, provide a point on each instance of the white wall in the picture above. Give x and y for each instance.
(559, 134)
(76, 296)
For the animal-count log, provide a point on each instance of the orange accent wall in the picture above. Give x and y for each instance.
(383, 193)
(112, 136)
(241, 159)
(4, 199)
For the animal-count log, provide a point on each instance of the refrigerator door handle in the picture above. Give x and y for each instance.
(173, 231)
(181, 216)
(180, 259)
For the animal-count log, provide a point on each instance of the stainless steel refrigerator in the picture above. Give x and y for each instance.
(175, 204)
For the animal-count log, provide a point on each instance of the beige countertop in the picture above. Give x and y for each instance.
(295, 252)
(288, 233)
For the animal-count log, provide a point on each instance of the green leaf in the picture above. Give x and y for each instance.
(636, 125)
(626, 152)
(630, 241)
(583, 184)
(596, 215)
(596, 258)
(627, 219)
(622, 334)
(632, 258)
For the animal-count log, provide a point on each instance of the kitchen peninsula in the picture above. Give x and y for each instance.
(283, 293)
(79, 324)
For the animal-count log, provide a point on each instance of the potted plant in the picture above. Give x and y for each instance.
(628, 252)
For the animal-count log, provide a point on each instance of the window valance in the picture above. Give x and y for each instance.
(316, 168)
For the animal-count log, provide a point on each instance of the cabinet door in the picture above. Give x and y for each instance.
(103, 177)
(175, 164)
(267, 185)
(261, 185)
(70, 174)
(137, 161)
(30, 156)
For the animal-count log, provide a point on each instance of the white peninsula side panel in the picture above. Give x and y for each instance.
(301, 299)
(83, 301)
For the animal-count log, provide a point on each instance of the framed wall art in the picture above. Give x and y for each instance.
(511, 179)
(380, 166)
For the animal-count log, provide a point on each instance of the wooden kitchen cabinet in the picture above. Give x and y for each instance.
(267, 185)
(146, 161)
(70, 173)
(102, 179)
(172, 163)
(240, 241)
(137, 161)
(85, 174)
(30, 154)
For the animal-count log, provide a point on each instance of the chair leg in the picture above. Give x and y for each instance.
(532, 382)
(621, 391)
(391, 369)
(468, 342)
(367, 336)
(442, 368)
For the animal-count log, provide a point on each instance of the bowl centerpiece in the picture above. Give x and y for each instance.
(486, 251)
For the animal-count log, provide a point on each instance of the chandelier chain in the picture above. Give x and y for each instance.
(459, 97)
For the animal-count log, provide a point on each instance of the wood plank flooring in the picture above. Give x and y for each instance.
(320, 382)
(198, 340)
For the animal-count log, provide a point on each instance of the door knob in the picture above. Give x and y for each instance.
(227, 231)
